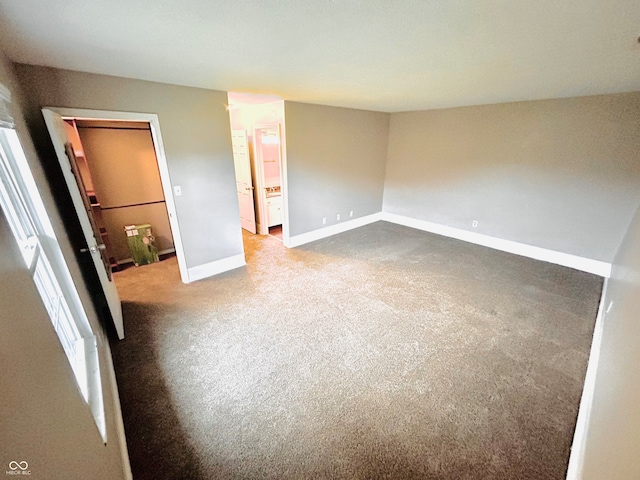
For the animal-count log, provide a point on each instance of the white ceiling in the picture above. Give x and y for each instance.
(388, 55)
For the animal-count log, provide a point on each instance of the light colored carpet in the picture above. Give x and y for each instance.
(383, 352)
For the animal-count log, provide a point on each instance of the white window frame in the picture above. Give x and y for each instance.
(30, 224)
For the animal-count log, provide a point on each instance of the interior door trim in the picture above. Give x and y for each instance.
(158, 145)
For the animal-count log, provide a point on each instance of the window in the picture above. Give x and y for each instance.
(29, 222)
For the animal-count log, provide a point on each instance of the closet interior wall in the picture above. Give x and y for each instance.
(121, 169)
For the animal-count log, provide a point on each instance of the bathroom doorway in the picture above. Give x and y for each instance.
(268, 161)
(257, 128)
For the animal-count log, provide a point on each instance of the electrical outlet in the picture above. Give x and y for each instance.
(474, 224)
(337, 216)
(324, 220)
(350, 213)
(177, 190)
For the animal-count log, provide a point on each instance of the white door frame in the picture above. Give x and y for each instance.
(158, 145)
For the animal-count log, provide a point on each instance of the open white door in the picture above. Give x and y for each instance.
(244, 184)
(64, 151)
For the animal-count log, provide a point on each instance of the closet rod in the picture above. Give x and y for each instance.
(116, 127)
(133, 205)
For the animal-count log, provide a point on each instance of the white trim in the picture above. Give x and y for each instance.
(596, 267)
(576, 458)
(297, 240)
(165, 178)
(122, 439)
(284, 186)
(216, 267)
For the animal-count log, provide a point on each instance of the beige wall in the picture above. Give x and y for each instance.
(123, 165)
(43, 418)
(154, 214)
(197, 142)
(613, 433)
(125, 173)
(558, 174)
(335, 163)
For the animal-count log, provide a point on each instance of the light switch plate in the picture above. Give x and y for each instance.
(177, 190)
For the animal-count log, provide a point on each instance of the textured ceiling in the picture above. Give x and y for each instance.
(374, 54)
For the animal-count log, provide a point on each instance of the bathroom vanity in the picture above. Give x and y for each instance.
(274, 206)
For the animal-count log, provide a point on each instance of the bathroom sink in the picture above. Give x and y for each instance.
(272, 191)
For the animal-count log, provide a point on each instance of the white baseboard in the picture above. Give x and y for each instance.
(214, 268)
(596, 267)
(297, 240)
(576, 458)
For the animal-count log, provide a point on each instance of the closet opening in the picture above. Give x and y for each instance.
(124, 176)
(259, 155)
(100, 194)
(120, 173)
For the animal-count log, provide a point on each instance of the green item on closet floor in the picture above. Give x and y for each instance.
(142, 244)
